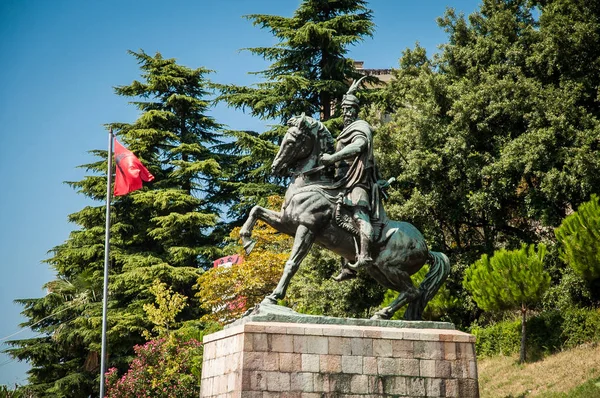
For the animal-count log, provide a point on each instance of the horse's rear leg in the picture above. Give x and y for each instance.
(407, 294)
(271, 217)
(303, 240)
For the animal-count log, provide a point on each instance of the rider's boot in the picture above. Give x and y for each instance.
(364, 257)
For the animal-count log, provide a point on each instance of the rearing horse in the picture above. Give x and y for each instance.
(313, 212)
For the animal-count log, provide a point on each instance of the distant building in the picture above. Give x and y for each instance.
(385, 75)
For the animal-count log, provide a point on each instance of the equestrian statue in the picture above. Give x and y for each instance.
(335, 199)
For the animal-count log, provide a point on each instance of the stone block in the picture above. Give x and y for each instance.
(467, 388)
(428, 350)
(382, 348)
(316, 345)
(408, 367)
(290, 362)
(375, 384)
(302, 381)
(402, 349)
(340, 383)
(339, 345)
(443, 369)
(395, 385)
(278, 381)
(449, 350)
(451, 388)
(260, 342)
(370, 366)
(281, 343)
(352, 364)
(427, 368)
(434, 387)
(359, 384)
(416, 386)
(472, 374)
(330, 363)
(361, 346)
(252, 394)
(321, 382)
(310, 363)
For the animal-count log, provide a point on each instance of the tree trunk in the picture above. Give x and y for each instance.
(522, 355)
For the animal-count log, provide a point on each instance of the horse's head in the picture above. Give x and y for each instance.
(298, 151)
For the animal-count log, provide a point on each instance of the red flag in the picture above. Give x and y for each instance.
(130, 171)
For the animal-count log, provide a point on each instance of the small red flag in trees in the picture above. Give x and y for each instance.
(130, 171)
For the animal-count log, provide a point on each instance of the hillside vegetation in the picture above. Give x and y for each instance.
(573, 373)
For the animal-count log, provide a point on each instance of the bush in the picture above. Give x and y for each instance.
(548, 332)
(163, 368)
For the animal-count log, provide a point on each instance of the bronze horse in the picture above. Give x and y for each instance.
(312, 212)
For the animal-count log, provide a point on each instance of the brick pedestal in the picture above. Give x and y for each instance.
(261, 359)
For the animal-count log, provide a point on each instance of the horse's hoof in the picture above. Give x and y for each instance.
(381, 315)
(248, 245)
(269, 300)
(248, 312)
(344, 275)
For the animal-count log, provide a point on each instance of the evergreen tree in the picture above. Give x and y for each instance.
(509, 280)
(308, 73)
(163, 232)
(495, 139)
(579, 235)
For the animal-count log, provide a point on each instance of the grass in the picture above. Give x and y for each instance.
(569, 374)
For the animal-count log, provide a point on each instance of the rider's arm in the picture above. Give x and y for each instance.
(354, 148)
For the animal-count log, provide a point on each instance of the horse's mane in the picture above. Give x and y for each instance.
(309, 124)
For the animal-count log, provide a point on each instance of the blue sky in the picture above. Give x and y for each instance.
(61, 60)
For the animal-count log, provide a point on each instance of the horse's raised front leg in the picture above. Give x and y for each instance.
(271, 217)
(303, 240)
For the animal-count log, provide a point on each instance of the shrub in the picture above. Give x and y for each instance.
(163, 368)
(548, 332)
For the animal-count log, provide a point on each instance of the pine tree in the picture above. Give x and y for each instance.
(509, 280)
(163, 232)
(309, 72)
(579, 235)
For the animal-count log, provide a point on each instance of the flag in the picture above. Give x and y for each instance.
(130, 171)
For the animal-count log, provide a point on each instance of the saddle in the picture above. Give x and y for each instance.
(342, 214)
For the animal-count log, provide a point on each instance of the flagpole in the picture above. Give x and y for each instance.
(106, 260)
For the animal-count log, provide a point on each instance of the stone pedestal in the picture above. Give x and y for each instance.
(277, 359)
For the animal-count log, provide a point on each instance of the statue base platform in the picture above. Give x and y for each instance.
(345, 358)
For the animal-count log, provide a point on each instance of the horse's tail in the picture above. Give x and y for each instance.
(439, 269)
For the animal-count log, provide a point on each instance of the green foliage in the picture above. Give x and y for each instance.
(228, 292)
(548, 332)
(163, 368)
(312, 291)
(579, 235)
(16, 392)
(308, 71)
(165, 232)
(509, 279)
(502, 338)
(167, 305)
(590, 388)
(438, 308)
(495, 138)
